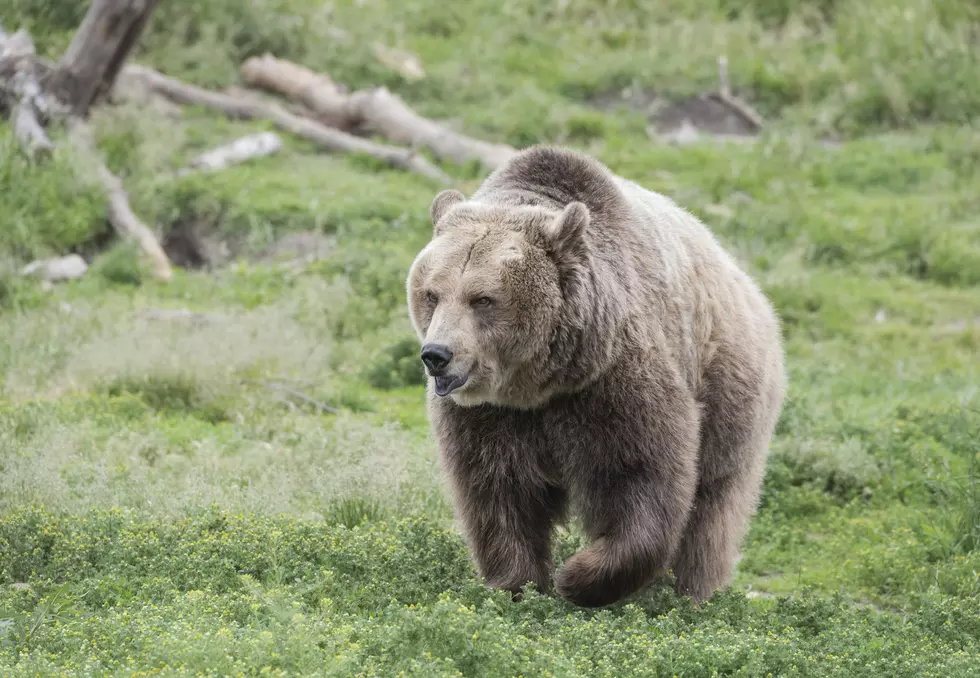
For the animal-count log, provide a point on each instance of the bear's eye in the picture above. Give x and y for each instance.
(431, 297)
(482, 302)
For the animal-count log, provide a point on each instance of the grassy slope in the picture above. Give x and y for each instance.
(174, 513)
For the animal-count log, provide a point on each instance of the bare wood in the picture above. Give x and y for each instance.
(406, 64)
(376, 109)
(20, 86)
(98, 50)
(725, 96)
(246, 109)
(121, 215)
(21, 92)
(29, 132)
(234, 153)
(724, 88)
(743, 109)
(328, 100)
(389, 115)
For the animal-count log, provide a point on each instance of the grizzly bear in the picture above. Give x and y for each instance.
(592, 349)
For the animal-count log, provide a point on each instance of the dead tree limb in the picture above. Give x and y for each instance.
(374, 109)
(725, 96)
(29, 132)
(238, 151)
(24, 90)
(22, 96)
(388, 115)
(248, 109)
(93, 60)
(121, 215)
(724, 86)
(404, 63)
(329, 101)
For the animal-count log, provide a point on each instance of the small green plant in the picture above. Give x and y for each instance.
(121, 265)
(48, 208)
(16, 292)
(397, 366)
(168, 393)
(354, 511)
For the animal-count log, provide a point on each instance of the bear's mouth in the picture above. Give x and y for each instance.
(447, 384)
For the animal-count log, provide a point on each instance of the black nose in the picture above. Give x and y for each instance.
(436, 357)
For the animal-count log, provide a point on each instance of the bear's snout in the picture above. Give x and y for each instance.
(436, 358)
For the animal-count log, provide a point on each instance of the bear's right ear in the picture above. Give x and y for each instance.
(442, 202)
(568, 227)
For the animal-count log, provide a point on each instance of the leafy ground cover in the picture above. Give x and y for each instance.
(170, 506)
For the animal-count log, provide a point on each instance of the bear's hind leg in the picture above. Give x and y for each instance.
(707, 553)
(741, 409)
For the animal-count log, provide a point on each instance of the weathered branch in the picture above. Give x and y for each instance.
(725, 96)
(121, 215)
(404, 63)
(246, 109)
(22, 76)
(238, 151)
(21, 92)
(98, 50)
(388, 115)
(329, 101)
(724, 86)
(57, 269)
(376, 109)
(29, 132)
(289, 390)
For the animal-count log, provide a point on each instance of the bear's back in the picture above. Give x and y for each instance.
(553, 177)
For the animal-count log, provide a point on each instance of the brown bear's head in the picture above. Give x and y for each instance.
(486, 297)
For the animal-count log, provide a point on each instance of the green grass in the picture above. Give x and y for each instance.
(254, 489)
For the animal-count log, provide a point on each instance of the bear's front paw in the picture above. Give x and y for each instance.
(581, 582)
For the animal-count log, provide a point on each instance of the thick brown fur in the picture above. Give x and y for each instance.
(608, 359)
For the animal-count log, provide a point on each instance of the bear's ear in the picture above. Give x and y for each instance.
(442, 202)
(568, 227)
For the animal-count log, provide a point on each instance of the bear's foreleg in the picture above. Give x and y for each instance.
(509, 533)
(506, 504)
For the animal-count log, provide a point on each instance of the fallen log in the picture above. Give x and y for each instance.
(249, 109)
(121, 215)
(328, 100)
(237, 152)
(376, 109)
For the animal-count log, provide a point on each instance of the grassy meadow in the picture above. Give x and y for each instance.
(252, 488)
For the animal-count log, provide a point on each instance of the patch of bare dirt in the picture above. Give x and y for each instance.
(680, 121)
(195, 243)
(191, 245)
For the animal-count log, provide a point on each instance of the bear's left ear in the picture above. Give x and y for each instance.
(442, 202)
(568, 227)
